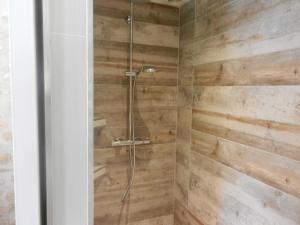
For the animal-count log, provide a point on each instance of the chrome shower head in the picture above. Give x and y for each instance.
(147, 69)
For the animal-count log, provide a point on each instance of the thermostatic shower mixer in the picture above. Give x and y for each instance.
(120, 142)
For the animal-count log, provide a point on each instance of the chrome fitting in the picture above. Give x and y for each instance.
(119, 142)
(130, 74)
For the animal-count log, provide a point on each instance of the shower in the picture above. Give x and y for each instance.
(132, 77)
(147, 69)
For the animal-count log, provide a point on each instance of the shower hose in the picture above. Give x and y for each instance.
(132, 152)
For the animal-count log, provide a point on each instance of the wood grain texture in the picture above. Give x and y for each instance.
(156, 39)
(150, 13)
(115, 29)
(183, 216)
(238, 148)
(230, 193)
(280, 68)
(262, 33)
(176, 3)
(151, 195)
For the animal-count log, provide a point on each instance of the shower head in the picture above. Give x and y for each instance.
(147, 69)
(140, 1)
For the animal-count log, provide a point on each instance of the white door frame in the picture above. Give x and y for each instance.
(69, 159)
(26, 111)
(24, 70)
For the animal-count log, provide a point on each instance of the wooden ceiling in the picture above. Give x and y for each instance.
(175, 3)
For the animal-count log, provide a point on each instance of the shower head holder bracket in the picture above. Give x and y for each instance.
(130, 74)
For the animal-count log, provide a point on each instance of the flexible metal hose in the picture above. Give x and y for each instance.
(132, 149)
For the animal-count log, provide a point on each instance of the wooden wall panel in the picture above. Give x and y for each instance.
(153, 13)
(270, 103)
(113, 29)
(268, 69)
(176, 3)
(238, 148)
(232, 192)
(183, 216)
(151, 196)
(156, 42)
(250, 38)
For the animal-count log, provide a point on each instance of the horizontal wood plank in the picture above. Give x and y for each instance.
(280, 68)
(114, 29)
(150, 13)
(276, 171)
